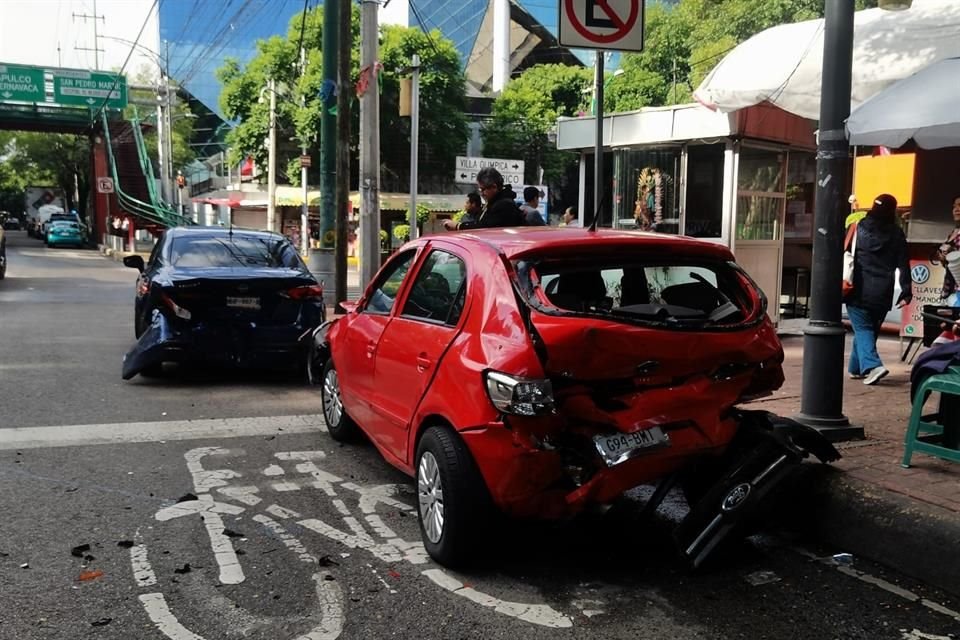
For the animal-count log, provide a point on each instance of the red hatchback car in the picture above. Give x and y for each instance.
(540, 370)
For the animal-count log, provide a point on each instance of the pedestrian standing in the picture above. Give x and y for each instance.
(501, 209)
(881, 249)
(531, 207)
(950, 246)
(570, 217)
(472, 208)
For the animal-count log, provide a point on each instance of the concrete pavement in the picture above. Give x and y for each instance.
(866, 503)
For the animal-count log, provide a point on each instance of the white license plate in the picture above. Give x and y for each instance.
(616, 448)
(243, 303)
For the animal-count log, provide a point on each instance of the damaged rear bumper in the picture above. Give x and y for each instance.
(247, 345)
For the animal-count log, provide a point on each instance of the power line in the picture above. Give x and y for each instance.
(423, 27)
(303, 23)
(119, 74)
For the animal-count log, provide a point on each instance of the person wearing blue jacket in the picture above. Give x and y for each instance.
(881, 249)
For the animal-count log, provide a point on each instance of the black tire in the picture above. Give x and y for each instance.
(138, 327)
(153, 371)
(452, 524)
(341, 427)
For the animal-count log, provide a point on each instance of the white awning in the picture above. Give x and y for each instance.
(923, 107)
(782, 65)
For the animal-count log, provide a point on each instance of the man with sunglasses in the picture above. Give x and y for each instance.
(501, 209)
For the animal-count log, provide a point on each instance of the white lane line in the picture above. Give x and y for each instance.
(161, 616)
(332, 618)
(285, 486)
(539, 614)
(906, 594)
(134, 432)
(142, 571)
(287, 539)
(274, 470)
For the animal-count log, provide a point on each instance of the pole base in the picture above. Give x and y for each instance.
(834, 429)
(323, 267)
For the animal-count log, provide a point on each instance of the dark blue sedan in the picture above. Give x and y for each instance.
(214, 295)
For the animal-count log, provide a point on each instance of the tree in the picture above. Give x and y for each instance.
(443, 125)
(45, 159)
(526, 112)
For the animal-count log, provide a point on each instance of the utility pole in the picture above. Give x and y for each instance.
(597, 143)
(304, 210)
(369, 145)
(169, 102)
(96, 36)
(161, 138)
(272, 159)
(322, 263)
(344, 98)
(414, 143)
(821, 399)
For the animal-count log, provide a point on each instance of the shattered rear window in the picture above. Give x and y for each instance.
(681, 293)
(224, 251)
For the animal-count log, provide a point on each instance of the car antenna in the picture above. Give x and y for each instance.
(596, 214)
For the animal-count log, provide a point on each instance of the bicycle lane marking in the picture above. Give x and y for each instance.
(328, 591)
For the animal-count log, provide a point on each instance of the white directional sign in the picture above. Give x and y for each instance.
(602, 24)
(104, 185)
(468, 166)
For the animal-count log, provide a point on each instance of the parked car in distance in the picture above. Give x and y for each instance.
(541, 370)
(11, 224)
(225, 296)
(64, 233)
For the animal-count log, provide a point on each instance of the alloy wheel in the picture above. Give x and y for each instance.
(332, 404)
(430, 492)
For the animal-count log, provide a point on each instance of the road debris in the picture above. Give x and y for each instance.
(125, 544)
(187, 497)
(79, 550)
(87, 576)
(102, 622)
(184, 569)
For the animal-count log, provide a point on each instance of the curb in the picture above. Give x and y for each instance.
(912, 537)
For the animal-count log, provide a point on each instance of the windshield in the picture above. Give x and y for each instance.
(677, 293)
(233, 251)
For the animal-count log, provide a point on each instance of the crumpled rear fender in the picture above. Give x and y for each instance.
(153, 347)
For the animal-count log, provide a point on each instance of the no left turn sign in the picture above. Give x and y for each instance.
(602, 24)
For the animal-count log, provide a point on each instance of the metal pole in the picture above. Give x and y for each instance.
(414, 143)
(272, 160)
(344, 98)
(170, 102)
(161, 142)
(370, 146)
(597, 143)
(322, 263)
(821, 399)
(304, 210)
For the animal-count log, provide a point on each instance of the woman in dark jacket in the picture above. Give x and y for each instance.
(881, 249)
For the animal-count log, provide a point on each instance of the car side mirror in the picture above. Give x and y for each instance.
(134, 262)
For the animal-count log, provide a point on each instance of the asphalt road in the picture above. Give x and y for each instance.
(216, 507)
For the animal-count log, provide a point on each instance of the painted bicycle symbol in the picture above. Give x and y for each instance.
(359, 525)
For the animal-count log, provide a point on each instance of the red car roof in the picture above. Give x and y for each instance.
(515, 242)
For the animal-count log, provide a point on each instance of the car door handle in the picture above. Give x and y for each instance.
(371, 348)
(423, 362)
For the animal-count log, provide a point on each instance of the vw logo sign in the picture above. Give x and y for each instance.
(920, 273)
(736, 497)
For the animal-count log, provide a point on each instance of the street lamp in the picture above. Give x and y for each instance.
(821, 397)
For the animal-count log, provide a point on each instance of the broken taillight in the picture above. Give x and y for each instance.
(178, 311)
(519, 396)
(307, 292)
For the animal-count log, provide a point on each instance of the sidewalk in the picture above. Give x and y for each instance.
(866, 503)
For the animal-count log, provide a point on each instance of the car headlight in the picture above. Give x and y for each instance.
(519, 396)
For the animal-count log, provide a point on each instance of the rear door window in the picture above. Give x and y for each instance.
(439, 291)
(236, 250)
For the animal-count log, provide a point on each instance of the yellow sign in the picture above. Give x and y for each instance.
(893, 174)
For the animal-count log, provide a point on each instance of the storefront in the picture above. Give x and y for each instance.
(743, 179)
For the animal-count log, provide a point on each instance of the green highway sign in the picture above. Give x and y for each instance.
(88, 88)
(21, 84)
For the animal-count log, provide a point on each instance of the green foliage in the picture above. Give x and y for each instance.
(402, 232)
(44, 159)
(300, 109)
(384, 240)
(527, 110)
(423, 213)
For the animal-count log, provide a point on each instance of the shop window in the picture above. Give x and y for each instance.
(760, 194)
(801, 187)
(646, 189)
(704, 205)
